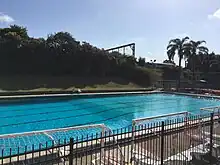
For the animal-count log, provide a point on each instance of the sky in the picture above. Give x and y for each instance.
(108, 23)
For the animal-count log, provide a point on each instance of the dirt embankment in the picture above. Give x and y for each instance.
(64, 84)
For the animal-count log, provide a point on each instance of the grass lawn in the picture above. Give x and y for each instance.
(47, 84)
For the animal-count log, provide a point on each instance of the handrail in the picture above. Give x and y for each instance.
(53, 130)
(160, 116)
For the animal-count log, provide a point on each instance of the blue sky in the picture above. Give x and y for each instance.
(107, 23)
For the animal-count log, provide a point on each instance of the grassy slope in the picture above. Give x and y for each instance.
(50, 83)
(69, 83)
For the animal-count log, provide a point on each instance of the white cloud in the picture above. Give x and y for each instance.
(5, 18)
(149, 54)
(215, 15)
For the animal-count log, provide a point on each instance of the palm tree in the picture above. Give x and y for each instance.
(194, 49)
(177, 46)
(171, 53)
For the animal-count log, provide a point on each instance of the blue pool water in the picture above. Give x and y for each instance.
(115, 112)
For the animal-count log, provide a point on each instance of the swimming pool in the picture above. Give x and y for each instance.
(25, 115)
(115, 112)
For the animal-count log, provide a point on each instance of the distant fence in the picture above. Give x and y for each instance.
(191, 139)
(168, 84)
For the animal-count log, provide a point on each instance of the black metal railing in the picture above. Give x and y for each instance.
(190, 140)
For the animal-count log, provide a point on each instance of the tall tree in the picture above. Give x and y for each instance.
(177, 46)
(193, 50)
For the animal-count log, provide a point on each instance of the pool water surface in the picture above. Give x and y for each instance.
(115, 112)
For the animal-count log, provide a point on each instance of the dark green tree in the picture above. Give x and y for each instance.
(141, 61)
(61, 54)
(192, 51)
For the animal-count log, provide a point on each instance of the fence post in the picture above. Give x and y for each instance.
(162, 143)
(102, 141)
(71, 152)
(211, 134)
(132, 140)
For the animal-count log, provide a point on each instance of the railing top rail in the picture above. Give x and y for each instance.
(53, 130)
(159, 116)
(210, 108)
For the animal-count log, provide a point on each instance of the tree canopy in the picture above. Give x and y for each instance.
(197, 57)
(61, 54)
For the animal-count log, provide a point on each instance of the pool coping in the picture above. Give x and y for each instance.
(79, 94)
(194, 95)
(104, 94)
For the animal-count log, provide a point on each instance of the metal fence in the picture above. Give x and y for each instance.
(190, 140)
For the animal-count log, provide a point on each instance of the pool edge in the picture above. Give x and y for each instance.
(194, 95)
(79, 94)
(103, 94)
